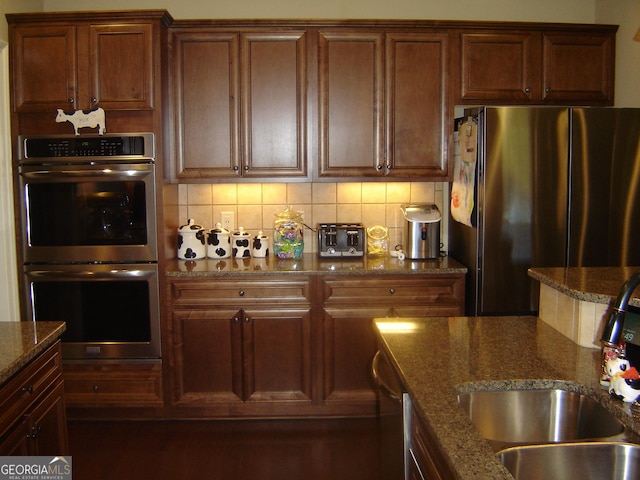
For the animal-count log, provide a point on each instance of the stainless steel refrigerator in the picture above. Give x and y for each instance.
(554, 187)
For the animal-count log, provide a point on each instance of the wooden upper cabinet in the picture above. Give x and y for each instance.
(500, 66)
(383, 104)
(571, 66)
(578, 68)
(82, 66)
(416, 104)
(240, 104)
(351, 105)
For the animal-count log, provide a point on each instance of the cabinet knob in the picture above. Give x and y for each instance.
(392, 291)
(235, 168)
(378, 167)
(71, 100)
(94, 99)
(28, 389)
(389, 166)
(548, 89)
(96, 388)
(247, 319)
(246, 168)
(236, 319)
(528, 89)
(241, 293)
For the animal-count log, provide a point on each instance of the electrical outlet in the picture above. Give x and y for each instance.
(227, 219)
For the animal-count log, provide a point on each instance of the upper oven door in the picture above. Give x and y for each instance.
(88, 213)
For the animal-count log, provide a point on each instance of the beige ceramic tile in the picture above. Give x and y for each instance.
(199, 194)
(299, 193)
(349, 193)
(274, 193)
(373, 214)
(324, 213)
(398, 192)
(225, 194)
(202, 215)
(249, 194)
(394, 216)
(423, 192)
(217, 213)
(324, 193)
(183, 198)
(374, 192)
(349, 213)
(249, 217)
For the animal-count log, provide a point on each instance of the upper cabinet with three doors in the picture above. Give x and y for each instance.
(543, 64)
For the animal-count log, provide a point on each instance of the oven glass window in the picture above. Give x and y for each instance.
(87, 213)
(96, 311)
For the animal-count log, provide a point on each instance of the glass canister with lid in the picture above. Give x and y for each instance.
(288, 239)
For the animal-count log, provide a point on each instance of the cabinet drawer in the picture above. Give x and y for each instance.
(113, 385)
(239, 292)
(396, 291)
(19, 393)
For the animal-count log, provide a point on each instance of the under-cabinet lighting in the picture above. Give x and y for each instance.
(398, 327)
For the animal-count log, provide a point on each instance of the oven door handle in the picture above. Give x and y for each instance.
(93, 275)
(98, 172)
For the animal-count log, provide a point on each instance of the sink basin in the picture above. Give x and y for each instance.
(597, 460)
(519, 417)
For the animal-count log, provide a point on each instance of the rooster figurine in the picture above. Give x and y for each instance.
(625, 379)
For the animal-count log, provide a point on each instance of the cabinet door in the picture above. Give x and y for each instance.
(277, 355)
(578, 68)
(416, 104)
(43, 68)
(121, 67)
(48, 425)
(274, 99)
(500, 66)
(207, 348)
(207, 105)
(351, 106)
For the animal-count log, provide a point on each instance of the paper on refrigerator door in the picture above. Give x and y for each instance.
(464, 172)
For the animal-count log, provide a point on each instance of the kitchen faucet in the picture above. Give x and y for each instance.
(612, 334)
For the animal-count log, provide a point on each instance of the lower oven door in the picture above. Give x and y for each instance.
(111, 310)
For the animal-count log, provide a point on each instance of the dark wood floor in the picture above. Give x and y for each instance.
(338, 449)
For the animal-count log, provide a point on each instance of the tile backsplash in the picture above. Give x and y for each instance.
(254, 205)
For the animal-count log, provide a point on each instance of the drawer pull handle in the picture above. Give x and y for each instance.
(392, 291)
(28, 389)
(241, 293)
(96, 388)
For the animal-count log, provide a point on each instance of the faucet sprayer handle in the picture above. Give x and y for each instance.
(612, 333)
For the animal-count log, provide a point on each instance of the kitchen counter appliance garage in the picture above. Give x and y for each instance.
(89, 241)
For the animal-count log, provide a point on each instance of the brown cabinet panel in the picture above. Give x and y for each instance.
(500, 66)
(351, 104)
(578, 68)
(121, 66)
(43, 68)
(274, 103)
(416, 104)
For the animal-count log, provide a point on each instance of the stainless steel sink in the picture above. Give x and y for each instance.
(570, 461)
(524, 417)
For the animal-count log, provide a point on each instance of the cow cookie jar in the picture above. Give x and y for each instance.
(219, 242)
(240, 243)
(191, 241)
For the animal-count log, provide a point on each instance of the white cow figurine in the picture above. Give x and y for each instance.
(84, 119)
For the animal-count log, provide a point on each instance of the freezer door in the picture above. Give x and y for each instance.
(605, 187)
(522, 196)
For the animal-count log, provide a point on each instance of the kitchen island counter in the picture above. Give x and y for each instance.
(311, 263)
(437, 358)
(21, 342)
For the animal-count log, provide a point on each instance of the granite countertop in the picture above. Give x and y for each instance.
(20, 342)
(312, 263)
(437, 358)
(591, 284)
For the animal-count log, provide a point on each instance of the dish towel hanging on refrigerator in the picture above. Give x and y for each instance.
(464, 172)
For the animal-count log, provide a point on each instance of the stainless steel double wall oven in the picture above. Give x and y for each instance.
(89, 241)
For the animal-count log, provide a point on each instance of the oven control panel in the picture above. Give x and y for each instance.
(111, 146)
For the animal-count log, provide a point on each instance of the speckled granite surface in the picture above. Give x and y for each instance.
(21, 342)
(311, 263)
(591, 284)
(441, 357)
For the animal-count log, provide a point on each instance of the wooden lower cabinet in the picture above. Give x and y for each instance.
(33, 419)
(285, 345)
